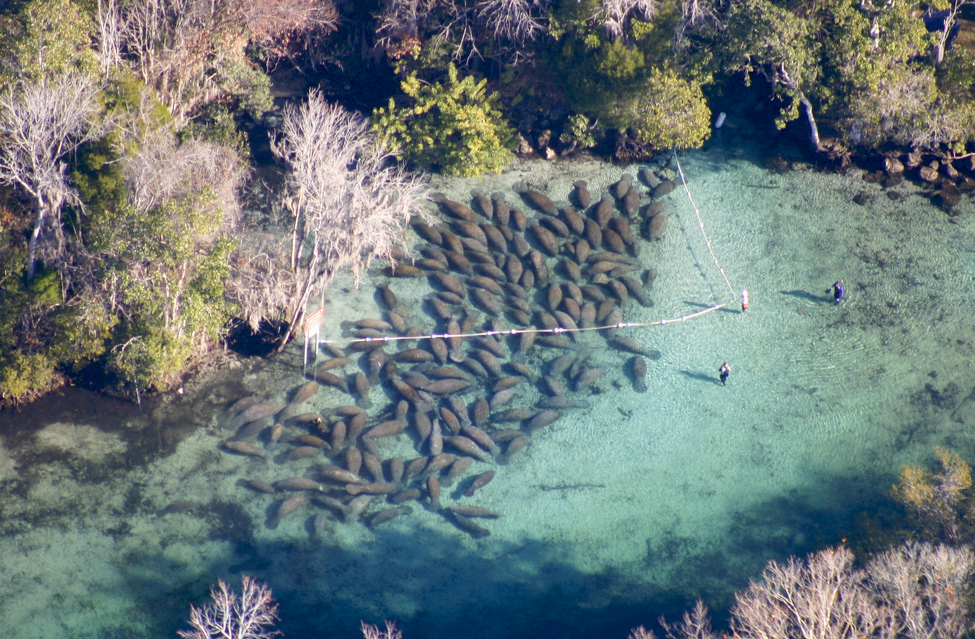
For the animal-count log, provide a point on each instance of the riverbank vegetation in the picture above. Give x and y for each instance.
(156, 188)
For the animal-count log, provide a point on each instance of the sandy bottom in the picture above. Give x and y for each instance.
(617, 513)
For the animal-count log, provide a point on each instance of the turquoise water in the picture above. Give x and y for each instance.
(615, 514)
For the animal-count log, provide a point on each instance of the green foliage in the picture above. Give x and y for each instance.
(84, 331)
(455, 127)
(670, 112)
(579, 132)
(45, 288)
(939, 503)
(25, 377)
(167, 267)
(46, 38)
(763, 38)
(216, 123)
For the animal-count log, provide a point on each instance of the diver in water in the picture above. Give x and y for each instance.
(837, 289)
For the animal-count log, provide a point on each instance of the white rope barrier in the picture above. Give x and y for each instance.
(700, 223)
(560, 329)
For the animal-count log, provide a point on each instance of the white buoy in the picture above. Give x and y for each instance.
(720, 120)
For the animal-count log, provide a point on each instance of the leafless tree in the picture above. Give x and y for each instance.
(346, 201)
(41, 123)
(613, 14)
(923, 589)
(370, 631)
(233, 616)
(176, 44)
(108, 22)
(952, 18)
(462, 26)
(695, 15)
(816, 599)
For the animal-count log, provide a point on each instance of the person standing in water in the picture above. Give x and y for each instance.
(837, 289)
(744, 300)
(724, 371)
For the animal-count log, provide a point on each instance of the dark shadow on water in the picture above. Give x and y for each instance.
(701, 377)
(809, 297)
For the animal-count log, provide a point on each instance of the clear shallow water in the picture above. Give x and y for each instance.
(614, 515)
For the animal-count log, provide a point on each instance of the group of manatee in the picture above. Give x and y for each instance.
(544, 293)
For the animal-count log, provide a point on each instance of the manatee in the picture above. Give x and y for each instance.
(490, 270)
(404, 270)
(427, 232)
(446, 386)
(561, 401)
(250, 429)
(449, 419)
(374, 488)
(454, 209)
(502, 214)
(361, 385)
(488, 360)
(243, 404)
(457, 469)
(480, 481)
(414, 467)
(330, 379)
(613, 242)
(338, 435)
(540, 201)
(468, 510)
(540, 419)
(302, 452)
(594, 234)
(636, 290)
(388, 514)
(520, 368)
(430, 264)
(571, 270)
(637, 368)
(513, 269)
(373, 466)
(353, 460)
(545, 239)
(176, 507)
(496, 239)
(339, 475)
(603, 211)
(647, 177)
(490, 344)
(414, 355)
(452, 243)
(552, 386)
(259, 485)
(288, 506)
(581, 194)
(573, 220)
(386, 429)
(515, 445)
(469, 447)
(486, 301)
(449, 372)
(587, 378)
(459, 262)
(375, 361)
(655, 227)
(556, 226)
(481, 438)
(468, 526)
(488, 284)
(519, 220)
(662, 189)
(433, 490)
(622, 187)
(483, 204)
(449, 283)
(555, 341)
(307, 439)
(634, 346)
(571, 308)
(259, 411)
(512, 415)
(405, 495)
(243, 448)
(298, 483)
(471, 231)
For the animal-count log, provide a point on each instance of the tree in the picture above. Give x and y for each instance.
(233, 616)
(45, 39)
(761, 37)
(41, 123)
(455, 127)
(940, 503)
(817, 599)
(345, 201)
(672, 112)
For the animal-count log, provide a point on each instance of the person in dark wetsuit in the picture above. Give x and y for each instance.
(837, 289)
(724, 371)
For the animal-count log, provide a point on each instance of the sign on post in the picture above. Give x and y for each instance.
(313, 328)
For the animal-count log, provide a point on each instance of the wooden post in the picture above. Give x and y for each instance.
(313, 328)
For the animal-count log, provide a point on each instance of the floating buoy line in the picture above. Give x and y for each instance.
(558, 330)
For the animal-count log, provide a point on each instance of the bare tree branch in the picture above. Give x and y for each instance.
(40, 124)
(347, 201)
